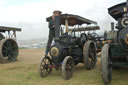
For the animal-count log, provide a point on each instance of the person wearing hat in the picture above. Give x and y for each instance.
(51, 31)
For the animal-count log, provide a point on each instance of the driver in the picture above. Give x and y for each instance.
(51, 30)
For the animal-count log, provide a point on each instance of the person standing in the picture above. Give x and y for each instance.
(51, 30)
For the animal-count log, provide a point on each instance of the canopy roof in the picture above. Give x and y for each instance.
(4, 28)
(73, 20)
(117, 11)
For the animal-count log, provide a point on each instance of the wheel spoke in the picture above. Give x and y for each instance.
(44, 61)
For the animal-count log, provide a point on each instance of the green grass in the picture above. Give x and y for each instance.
(27, 74)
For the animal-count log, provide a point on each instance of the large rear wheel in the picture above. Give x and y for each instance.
(8, 50)
(106, 64)
(89, 54)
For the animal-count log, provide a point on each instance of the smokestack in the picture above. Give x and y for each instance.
(127, 5)
(57, 27)
(112, 26)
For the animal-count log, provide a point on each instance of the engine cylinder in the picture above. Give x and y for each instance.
(112, 35)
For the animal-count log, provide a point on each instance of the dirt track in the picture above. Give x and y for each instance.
(30, 56)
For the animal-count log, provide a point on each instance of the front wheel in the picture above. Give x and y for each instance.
(45, 66)
(67, 67)
(106, 64)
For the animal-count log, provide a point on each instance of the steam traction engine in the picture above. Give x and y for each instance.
(115, 52)
(8, 45)
(72, 46)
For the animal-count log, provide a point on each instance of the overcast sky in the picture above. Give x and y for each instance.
(31, 15)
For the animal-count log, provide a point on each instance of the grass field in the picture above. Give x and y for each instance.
(25, 72)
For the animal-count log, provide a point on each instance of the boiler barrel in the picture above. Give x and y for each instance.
(84, 28)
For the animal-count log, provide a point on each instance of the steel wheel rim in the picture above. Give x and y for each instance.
(45, 67)
(9, 50)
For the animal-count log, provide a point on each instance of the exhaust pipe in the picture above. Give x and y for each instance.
(112, 26)
(57, 27)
